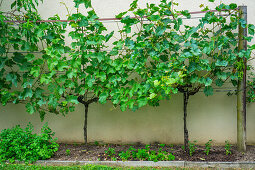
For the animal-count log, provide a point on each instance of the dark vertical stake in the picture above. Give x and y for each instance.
(241, 86)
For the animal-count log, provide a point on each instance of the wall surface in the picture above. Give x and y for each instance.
(208, 117)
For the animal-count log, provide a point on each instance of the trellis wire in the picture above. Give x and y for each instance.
(113, 19)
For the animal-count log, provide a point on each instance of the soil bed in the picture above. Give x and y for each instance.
(79, 152)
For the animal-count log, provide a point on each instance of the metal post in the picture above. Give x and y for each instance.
(241, 86)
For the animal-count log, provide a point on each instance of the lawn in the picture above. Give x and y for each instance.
(90, 167)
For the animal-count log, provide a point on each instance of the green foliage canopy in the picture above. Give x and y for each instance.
(170, 56)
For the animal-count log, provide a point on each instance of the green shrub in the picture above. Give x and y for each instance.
(22, 145)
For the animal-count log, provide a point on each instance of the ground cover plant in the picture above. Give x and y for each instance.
(142, 154)
(25, 145)
(152, 152)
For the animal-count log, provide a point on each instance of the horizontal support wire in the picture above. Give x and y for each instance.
(36, 52)
(184, 18)
(111, 19)
(119, 21)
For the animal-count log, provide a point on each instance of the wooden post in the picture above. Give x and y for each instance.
(241, 86)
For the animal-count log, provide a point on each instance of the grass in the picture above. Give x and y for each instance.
(86, 167)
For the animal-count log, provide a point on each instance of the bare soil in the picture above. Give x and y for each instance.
(79, 152)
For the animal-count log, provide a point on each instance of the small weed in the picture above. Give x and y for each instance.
(192, 147)
(133, 152)
(124, 156)
(68, 152)
(113, 158)
(147, 147)
(208, 147)
(227, 148)
(162, 145)
(96, 143)
(171, 157)
(110, 152)
(153, 157)
(183, 148)
(142, 154)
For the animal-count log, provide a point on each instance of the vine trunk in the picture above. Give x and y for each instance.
(86, 106)
(186, 132)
